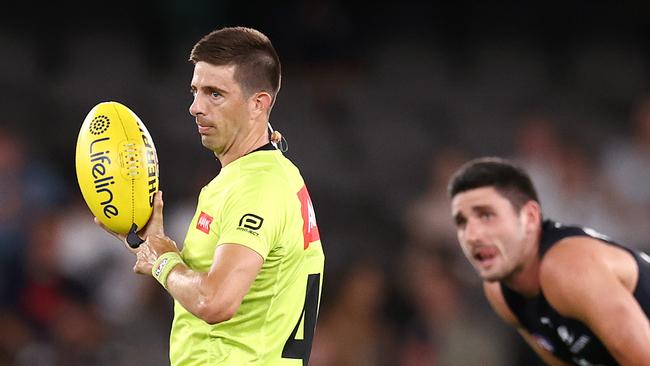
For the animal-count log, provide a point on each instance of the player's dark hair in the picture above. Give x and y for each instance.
(257, 63)
(510, 180)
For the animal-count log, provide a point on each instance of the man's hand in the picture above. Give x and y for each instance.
(150, 250)
(153, 227)
(155, 224)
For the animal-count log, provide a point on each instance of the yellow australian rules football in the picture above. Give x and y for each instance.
(117, 167)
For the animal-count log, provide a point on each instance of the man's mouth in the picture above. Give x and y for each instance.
(203, 129)
(485, 254)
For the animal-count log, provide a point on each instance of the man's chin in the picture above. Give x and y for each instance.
(205, 141)
(491, 276)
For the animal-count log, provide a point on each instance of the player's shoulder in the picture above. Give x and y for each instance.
(572, 255)
(578, 268)
(266, 183)
(260, 187)
(269, 164)
(571, 269)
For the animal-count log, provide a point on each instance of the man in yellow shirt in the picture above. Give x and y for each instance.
(247, 284)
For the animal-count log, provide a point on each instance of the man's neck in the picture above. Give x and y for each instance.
(250, 143)
(525, 280)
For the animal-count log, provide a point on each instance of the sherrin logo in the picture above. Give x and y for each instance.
(152, 165)
(100, 160)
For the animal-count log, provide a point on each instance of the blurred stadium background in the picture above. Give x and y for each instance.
(379, 103)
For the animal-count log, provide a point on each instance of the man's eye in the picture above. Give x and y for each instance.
(215, 95)
(486, 215)
(193, 92)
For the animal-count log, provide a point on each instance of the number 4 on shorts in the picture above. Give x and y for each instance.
(301, 348)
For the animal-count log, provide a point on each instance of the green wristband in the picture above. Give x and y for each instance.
(163, 265)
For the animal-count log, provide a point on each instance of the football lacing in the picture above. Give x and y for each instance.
(131, 159)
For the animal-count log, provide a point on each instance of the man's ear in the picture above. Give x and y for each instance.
(532, 213)
(260, 104)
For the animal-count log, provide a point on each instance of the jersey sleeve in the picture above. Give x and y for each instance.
(254, 213)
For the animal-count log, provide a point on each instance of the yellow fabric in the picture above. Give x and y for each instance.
(255, 201)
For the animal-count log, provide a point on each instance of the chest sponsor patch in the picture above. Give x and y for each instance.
(203, 223)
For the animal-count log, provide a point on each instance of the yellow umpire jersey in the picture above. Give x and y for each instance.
(260, 201)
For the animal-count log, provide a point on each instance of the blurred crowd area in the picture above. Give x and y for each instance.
(379, 106)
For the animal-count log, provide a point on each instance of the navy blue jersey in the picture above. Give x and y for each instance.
(568, 339)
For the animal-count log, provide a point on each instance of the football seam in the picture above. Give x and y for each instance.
(117, 111)
(133, 201)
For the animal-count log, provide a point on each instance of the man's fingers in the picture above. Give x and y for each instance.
(155, 224)
(158, 205)
(139, 258)
(159, 244)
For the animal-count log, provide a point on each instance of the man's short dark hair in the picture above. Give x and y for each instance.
(257, 63)
(510, 180)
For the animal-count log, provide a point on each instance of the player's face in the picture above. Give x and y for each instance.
(219, 107)
(491, 233)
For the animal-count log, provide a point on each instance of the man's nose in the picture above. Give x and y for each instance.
(473, 232)
(196, 107)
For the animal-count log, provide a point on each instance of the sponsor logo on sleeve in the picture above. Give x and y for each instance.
(250, 223)
(203, 223)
